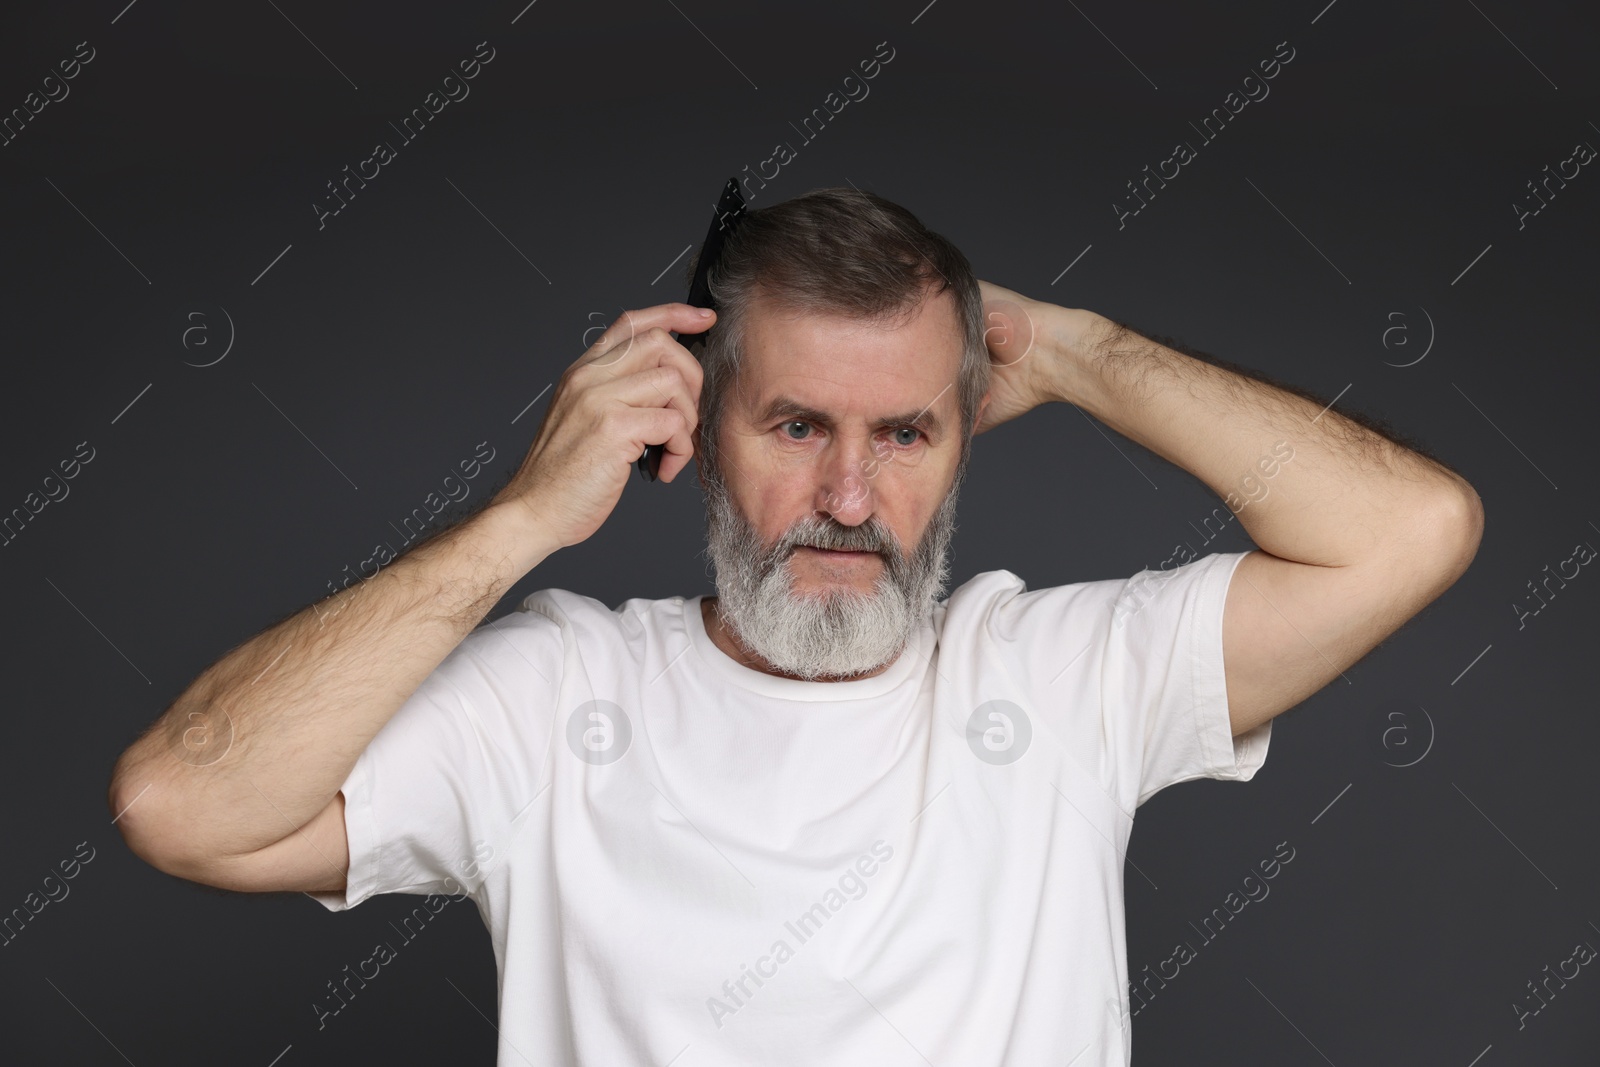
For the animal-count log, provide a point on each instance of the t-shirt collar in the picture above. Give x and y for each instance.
(912, 661)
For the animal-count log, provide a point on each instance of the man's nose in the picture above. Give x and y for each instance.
(845, 491)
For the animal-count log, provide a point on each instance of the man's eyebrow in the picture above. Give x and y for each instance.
(789, 407)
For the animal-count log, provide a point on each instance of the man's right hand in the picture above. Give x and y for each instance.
(635, 386)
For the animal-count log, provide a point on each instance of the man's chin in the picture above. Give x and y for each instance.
(836, 670)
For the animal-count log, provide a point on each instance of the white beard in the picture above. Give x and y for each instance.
(837, 633)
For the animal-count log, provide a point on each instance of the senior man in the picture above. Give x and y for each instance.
(826, 816)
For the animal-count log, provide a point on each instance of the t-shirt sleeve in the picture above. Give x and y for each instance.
(432, 797)
(1163, 694)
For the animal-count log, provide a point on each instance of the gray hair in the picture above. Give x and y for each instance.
(838, 251)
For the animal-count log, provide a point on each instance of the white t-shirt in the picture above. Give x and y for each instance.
(683, 859)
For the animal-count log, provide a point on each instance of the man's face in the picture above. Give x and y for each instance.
(836, 434)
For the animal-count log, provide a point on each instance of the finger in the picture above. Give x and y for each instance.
(657, 349)
(674, 357)
(673, 371)
(674, 461)
(1008, 332)
(671, 353)
(618, 339)
(660, 386)
(672, 464)
(665, 427)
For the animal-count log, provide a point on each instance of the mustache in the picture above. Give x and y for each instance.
(841, 538)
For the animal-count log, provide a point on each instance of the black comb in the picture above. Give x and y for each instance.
(730, 209)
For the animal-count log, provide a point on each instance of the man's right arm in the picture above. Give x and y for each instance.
(237, 784)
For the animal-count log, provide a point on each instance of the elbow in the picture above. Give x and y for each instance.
(120, 793)
(122, 796)
(171, 828)
(1451, 525)
(1464, 522)
(133, 797)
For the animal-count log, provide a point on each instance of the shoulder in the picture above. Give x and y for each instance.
(1002, 601)
(581, 618)
(561, 606)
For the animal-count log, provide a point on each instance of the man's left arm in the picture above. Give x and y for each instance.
(1356, 532)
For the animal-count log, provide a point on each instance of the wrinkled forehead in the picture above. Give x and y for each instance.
(846, 367)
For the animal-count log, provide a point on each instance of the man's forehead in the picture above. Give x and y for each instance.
(825, 366)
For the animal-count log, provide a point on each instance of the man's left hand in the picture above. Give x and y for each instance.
(1029, 344)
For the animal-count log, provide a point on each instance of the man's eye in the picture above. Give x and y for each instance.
(798, 430)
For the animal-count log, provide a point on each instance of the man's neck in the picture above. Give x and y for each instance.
(725, 639)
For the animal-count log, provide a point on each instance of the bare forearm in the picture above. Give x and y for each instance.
(1307, 484)
(263, 739)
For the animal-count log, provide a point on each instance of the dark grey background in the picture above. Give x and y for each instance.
(1384, 163)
